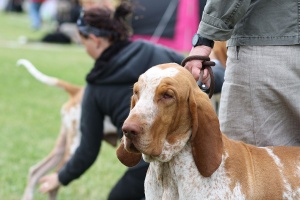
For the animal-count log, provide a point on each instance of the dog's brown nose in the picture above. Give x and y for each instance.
(131, 130)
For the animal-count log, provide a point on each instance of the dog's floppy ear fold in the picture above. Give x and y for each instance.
(127, 158)
(206, 139)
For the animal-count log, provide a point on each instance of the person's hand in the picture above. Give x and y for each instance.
(49, 183)
(194, 66)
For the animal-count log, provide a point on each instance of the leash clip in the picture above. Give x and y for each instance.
(201, 85)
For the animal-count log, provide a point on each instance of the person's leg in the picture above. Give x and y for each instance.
(260, 96)
(235, 104)
(34, 14)
(219, 71)
(131, 185)
(275, 89)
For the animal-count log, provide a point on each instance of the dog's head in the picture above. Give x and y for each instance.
(167, 110)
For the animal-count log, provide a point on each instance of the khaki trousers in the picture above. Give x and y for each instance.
(260, 99)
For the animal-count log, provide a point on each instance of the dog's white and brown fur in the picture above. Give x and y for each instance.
(69, 136)
(173, 125)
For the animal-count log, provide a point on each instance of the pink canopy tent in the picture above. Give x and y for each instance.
(171, 23)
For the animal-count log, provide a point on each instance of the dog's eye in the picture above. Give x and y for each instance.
(135, 89)
(167, 95)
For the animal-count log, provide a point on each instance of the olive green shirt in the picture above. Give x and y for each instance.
(252, 22)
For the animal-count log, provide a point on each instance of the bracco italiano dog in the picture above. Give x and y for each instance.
(173, 125)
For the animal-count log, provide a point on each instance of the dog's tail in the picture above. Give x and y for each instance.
(52, 81)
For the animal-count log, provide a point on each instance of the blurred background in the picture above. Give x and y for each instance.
(171, 23)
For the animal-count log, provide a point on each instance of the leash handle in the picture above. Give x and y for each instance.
(206, 64)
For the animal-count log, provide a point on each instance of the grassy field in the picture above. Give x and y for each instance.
(29, 112)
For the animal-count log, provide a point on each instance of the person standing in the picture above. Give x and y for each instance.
(34, 13)
(260, 99)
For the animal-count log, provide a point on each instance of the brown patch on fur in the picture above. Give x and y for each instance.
(256, 171)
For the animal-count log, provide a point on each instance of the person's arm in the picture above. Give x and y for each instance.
(91, 127)
(220, 17)
(217, 23)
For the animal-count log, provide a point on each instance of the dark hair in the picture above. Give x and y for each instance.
(110, 21)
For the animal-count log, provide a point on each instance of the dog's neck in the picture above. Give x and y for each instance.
(170, 177)
(180, 179)
(163, 178)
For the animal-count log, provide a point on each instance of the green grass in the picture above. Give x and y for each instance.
(30, 112)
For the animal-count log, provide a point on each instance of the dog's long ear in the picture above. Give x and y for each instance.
(127, 158)
(206, 139)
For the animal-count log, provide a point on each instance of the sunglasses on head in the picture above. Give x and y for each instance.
(86, 29)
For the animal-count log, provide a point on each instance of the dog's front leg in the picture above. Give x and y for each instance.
(44, 166)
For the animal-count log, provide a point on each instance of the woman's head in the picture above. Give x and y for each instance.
(105, 22)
